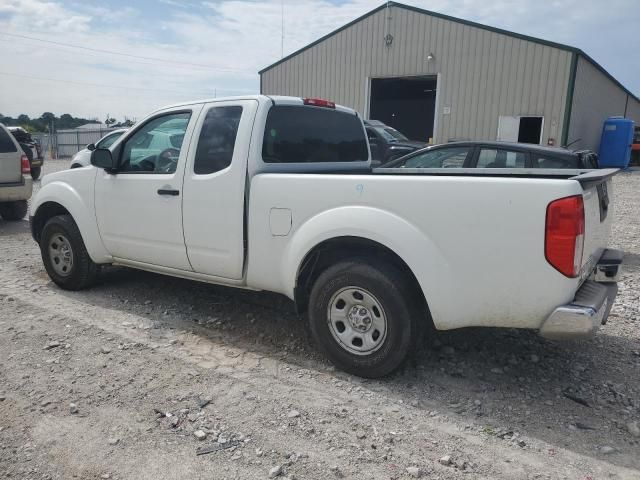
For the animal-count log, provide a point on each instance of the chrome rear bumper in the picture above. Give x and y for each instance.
(591, 305)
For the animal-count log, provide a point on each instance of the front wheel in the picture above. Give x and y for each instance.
(64, 254)
(363, 315)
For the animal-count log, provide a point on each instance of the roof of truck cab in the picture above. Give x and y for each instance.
(263, 98)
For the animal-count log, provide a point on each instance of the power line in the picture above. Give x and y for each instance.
(103, 85)
(112, 52)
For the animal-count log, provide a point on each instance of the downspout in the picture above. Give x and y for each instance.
(569, 104)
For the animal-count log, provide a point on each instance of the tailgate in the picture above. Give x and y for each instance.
(10, 162)
(598, 215)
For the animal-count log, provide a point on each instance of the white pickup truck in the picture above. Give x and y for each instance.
(277, 194)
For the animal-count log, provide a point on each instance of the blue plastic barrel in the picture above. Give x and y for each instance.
(615, 144)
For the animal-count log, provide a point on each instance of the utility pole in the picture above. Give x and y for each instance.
(282, 38)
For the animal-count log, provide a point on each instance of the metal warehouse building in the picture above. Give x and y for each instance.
(434, 76)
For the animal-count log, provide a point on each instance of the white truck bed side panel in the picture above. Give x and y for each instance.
(476, 245)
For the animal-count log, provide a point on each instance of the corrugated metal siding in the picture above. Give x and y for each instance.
(633, 110)
(483, 74)
(595, 98)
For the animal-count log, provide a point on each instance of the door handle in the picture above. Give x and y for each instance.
(168, 191)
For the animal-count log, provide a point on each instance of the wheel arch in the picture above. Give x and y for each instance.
(58, 198)
(336, 249)
(364, 229)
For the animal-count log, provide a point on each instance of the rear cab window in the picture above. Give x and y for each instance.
(307, 134)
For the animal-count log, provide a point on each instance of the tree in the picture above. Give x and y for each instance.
(47, 117)
(23, 119)
(66, 121)
(109, 121)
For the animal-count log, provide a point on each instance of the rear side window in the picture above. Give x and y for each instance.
(217, 139)
(491, 158)
(6, 143)
(540, 161)
(297, 134)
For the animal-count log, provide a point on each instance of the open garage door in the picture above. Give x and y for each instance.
(407, 104)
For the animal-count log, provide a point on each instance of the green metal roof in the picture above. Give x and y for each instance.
(540, 41)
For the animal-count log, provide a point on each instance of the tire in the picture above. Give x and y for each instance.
(13, 211)
(35, 172)
(75, 165)
(60, 241)
(350, 285)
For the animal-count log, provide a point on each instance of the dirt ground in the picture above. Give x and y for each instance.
(151, 377)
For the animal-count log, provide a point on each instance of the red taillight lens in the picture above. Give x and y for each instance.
(318, 102)
(26, 168)
(564, 235)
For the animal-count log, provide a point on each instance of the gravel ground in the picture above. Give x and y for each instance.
(137, 376)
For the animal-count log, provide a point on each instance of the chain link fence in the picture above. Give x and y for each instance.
(66, 143)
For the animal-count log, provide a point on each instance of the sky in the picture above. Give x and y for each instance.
(139, 55)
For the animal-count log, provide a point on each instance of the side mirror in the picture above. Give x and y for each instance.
(91, 147)
(102, 158)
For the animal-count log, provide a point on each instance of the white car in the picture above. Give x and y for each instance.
(83, 157)
(277, 194)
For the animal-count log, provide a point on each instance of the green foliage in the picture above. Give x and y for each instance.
(42, 123)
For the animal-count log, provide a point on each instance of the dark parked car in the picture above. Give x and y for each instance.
(31, 148)
(496, 155)
(387, 143)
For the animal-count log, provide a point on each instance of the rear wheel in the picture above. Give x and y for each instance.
(364, 316)
(35, 172)
(13, 211)
(64, 254)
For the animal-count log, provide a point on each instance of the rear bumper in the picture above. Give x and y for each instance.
(11, 192)
(591, 305)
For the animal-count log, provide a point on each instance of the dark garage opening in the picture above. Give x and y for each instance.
(530, 130)
(407, 104)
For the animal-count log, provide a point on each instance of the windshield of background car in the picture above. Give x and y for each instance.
(452, 157)
(109, 140)
(391, 134)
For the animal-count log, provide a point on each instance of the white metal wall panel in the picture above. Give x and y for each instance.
(595, 98)
(483, 74)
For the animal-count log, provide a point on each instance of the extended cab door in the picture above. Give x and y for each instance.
(214, 188)
(139, 208)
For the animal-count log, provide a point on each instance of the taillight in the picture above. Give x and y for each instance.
(26, 167)
(318, 102)
(564, 235)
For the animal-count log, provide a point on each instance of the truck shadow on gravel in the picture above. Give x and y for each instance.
(508, 384)
(13, 228)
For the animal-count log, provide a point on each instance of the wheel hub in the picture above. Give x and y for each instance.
(360, 318)
(357, 320)
(61, 255)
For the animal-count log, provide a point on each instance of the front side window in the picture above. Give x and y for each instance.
(493, 158)
(453, 157)
(217, 139)
(298, 134)
(109, 140)
(156, 146)
(6, 144)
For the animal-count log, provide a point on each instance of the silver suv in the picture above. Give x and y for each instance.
(15, 177)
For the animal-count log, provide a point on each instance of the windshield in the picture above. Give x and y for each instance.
(391, 134)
